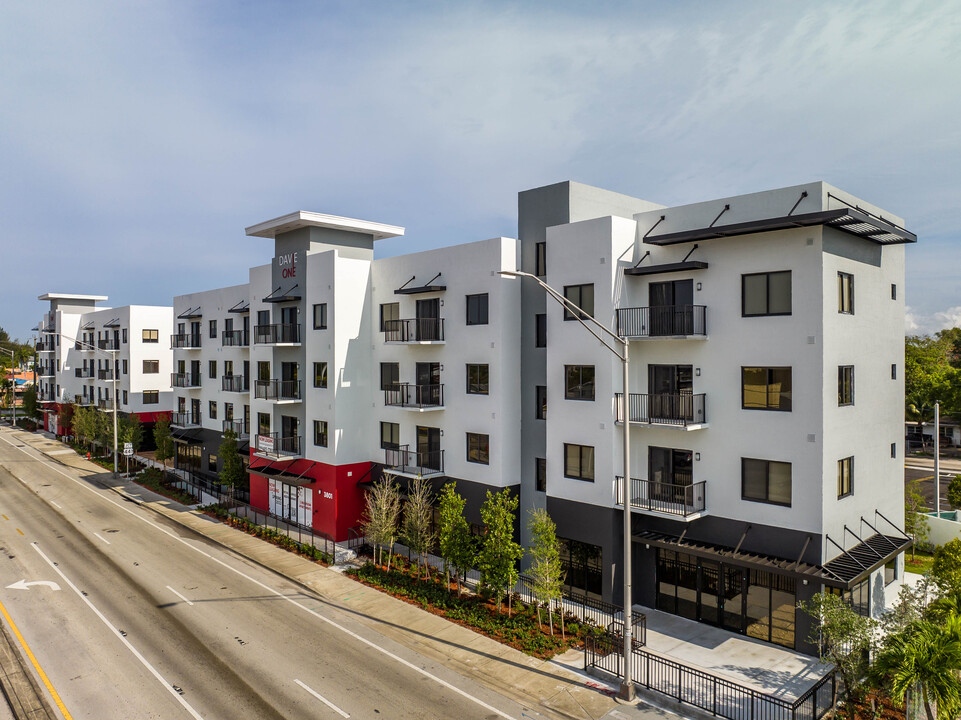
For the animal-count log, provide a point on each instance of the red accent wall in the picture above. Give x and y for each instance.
(150, 417)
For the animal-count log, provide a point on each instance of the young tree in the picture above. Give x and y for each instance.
(164, 442)
(417, 531)
(946, 568)
(132, 431)
(103, 422)
(915, 521)
(232, 471)
(31, 408)
(499, 552)
(954, 492)
(546, 570)
(65, 418)
(456, 543)
(382, 515)
(83, 425)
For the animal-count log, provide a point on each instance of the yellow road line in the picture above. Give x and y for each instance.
(4, 517)
(20, 531)
(36, 665)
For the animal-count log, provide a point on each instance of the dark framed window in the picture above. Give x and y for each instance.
(212, 409)
(389, 435)
(389, 375)
(767, 293)
(263, 317)
(766, 481)
(845, 477)
(123, 334)
(540, 474)
(124, 365)
(320, 433)
(540, 402)
(894, 371)
(478, 448)
(579, 462)
(540, 330)
(151, 366)
(228, 411)
(858, 597)
(766, 388)
(540, 259)
(320, 374)
(212, 368)
(151, 397)
(388, 312)
(213, 329)
(582, 296)
(124, 397)
(845, 385)
(894, 291)
(894, 450)
(212, 463)
(890, 571)
(477, 309)
(263, 423)
(478, 380)
(579, 382)
(150, 336)
(845, 293)
(320, 316)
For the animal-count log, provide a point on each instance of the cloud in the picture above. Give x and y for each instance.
(918, 324)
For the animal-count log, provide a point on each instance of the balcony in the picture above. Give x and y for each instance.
(277, 334)
(105, 374)
(45, 346)
(81, 400)
(236, 338)
(414, 331)
(185, 420)
(273, 446)
(415, 397)
(234, 383)
(108, 344)
(189, 341)
(241, 429)
(667, 322)
(185, 380)
(687, 501)
(409, 463)
(680, 412)
(84, 372)
(105, 403)
(278, 390)
(45, 371)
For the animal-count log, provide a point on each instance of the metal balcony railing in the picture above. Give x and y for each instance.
(274, 444)
(105, 374)
(185, 380)
(664, 321)
(189, 340)
(185, 419)
(105, 403)
(415, 396)
(414, 330)
(277, 389)
(234, 337)
(277, 334)
(46, 371)
(665, 498)
(108, 344)
(662, 409)
(45, 346)
(422, 464)
(241, 429)
(234, 383)
(84, 372)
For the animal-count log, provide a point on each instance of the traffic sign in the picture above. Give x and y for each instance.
(128, 449)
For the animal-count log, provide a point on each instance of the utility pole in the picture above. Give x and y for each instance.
(937, 459)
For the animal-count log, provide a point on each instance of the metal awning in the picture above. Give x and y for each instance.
(242, 307)
(115, 323)
(280, 473)
(853, 221)
(429, 286)
(187, 437)
(854, 565)
(190, 313)
(88, 325)
(666, 268)
(288, 295)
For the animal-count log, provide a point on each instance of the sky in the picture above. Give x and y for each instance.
(138, 140)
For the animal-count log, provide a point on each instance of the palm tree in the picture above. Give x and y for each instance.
(919, 408)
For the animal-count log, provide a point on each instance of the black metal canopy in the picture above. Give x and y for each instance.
(190, 314)
(187, 437)
(429, 286)
(857, 563)
(289, 294)
(281, 473)
(242, 307)
(666, 268)
(115, 323)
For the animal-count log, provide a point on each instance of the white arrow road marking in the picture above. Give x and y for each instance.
(324, 700)
(24, 585)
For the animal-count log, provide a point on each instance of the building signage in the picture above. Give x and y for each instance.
(265, 443)
(52, 423)
(305, 506)
(287, 264)
(274, 500)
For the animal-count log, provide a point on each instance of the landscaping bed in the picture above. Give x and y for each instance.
(219, 512)
(922, 561)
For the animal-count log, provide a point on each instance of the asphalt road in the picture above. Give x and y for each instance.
(923, 469)
(131, 616)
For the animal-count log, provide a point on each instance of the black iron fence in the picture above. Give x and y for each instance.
(409, 461)
(414, 330)
(665, 321)
(415, 396)
(281, 333)
(274, 444)
(234, 337)
(241, 428)
(185, 419)
(234, 383)
(663, 409)
(189, 340)
(277, 389)
(185, 380)
(667, 498)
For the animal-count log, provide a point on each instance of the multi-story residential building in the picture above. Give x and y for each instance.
(87, 354)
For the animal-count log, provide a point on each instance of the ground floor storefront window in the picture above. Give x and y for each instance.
(293, 503)
(188, 457)
(583, 569)
(750, 602)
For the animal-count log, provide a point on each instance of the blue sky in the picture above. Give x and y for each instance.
(137, 140)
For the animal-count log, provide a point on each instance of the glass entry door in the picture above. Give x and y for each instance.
(670, 307)
(428, 447)
(671, 389)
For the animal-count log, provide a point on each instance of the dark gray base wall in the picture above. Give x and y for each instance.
(597, 526)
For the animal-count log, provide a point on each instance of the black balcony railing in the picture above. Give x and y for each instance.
(277, 334)
(84, 372)
(234, 383)
(666, 498)
(47, 371)
(190, 340)
(234, 337)
(277, 389)
(664, 321)
(105, 374)
(274, 444)
(414, 330)
(241, 429)
(108, 344)
(663, 409)
(105, 403)
(415, 396)
(185, 419)
(45, 346)
(185, 380)
(423, 464)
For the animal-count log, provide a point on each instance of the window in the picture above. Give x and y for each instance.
(213, 329)
(579, 382)
(579, 462)
(124, 397)
(150, 336)
(845, 385)
(320, 374)
(478, 379)
(151, 366)
(890, 571)
(212, 368)
(894, 291)
(540, 259)
(582, 296)
(894, 450)
(212, 409)
(212, 463)
(477, 309)
(845, 293)
(263, 423)
(320, 316)
(151, 397)
(766, 294)
(478, 448)
(320, 433)
(124, 335)
(124, 366)
(845, 477)
(389, 375)
(540, 400)
(389, 435)
(540, 331)
(894, 371)
(540, 474)
(388, 312)
(263, 317)
(228, 411)
(766, 481)
(766, 388)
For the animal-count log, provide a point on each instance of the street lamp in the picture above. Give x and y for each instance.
(112, 354)
(626, 691)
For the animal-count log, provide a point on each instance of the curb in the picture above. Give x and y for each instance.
(20, 688)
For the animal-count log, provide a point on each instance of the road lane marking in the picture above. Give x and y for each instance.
(100, 537)
(55, 505)
(120, 635)
(20, 531)
(295, 603)
(324, 700)
(5, 517)
(24, 585)
(179, 595)
(36, 665)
